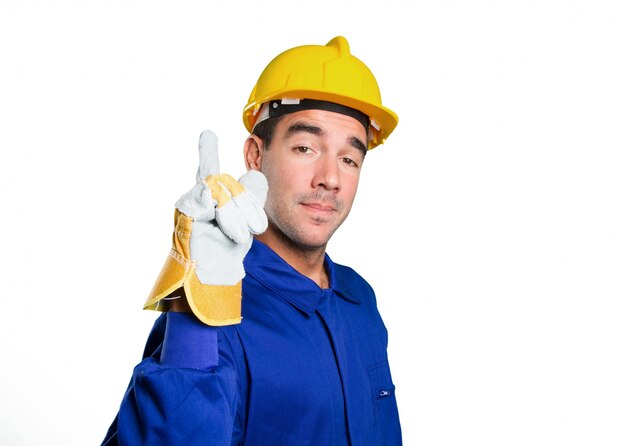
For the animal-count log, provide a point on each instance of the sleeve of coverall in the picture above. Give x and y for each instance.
(181, 397)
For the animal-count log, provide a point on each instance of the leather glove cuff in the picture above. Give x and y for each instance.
(213, 304)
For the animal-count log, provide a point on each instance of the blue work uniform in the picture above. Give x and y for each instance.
(307, 366)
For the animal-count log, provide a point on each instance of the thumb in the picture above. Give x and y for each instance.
(209, 159)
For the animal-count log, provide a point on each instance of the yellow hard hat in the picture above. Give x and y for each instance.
(324, 73)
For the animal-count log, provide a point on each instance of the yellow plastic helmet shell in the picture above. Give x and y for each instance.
(326, 73)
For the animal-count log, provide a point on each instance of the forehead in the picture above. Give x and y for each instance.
(329, 122)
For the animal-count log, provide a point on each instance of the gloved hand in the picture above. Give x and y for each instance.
(214, 223)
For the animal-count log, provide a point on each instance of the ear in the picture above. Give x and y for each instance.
(253, 150)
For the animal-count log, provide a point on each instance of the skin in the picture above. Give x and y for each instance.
(313, 167)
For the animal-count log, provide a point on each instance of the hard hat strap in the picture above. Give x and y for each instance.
(285, 106)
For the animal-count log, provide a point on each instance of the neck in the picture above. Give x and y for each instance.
(307, 261)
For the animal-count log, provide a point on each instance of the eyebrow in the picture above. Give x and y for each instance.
(358, 144)
(302, 127)
(315, 130)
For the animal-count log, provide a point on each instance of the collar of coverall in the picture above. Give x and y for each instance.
(273, 272)
(285, 106)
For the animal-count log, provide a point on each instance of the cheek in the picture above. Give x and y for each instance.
(280, 187)
(282, 178)
(350, 186)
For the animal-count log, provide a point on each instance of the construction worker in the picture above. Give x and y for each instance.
(264, 340)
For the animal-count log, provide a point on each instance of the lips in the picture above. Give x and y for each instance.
(323, 207)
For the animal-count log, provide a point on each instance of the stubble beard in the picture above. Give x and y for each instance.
(289, 229)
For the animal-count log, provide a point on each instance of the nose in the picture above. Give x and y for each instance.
(327, 174)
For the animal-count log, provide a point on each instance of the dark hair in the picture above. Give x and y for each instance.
(265, 129)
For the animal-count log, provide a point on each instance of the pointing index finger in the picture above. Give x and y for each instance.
(209, 159)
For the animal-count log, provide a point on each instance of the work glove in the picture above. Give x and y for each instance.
(213, 227)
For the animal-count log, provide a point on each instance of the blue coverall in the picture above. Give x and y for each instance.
(307, 366)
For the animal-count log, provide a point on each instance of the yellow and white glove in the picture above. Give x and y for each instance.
(214, 223)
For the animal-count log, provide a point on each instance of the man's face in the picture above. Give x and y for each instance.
(312, 166)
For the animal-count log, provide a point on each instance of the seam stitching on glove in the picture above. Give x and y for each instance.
(180, 259)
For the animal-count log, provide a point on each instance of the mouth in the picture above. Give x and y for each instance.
(319, 207)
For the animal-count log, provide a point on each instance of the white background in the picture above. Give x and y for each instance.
(491, 223)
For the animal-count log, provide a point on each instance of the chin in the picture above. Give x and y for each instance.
(312, 241)
(303, 234)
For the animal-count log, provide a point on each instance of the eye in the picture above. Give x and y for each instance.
(303, 149)
(349, 161)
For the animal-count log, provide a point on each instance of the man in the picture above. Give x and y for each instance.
(267, 341)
